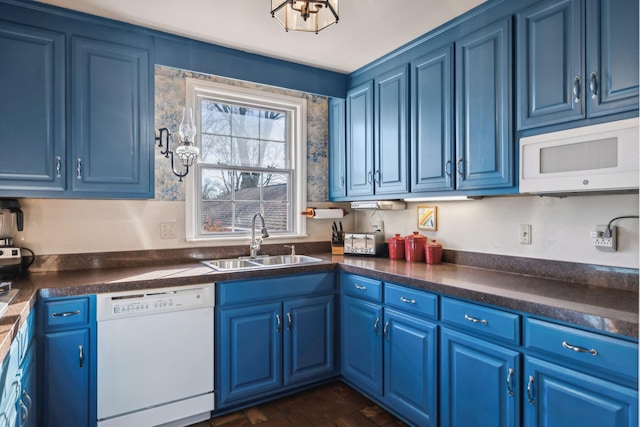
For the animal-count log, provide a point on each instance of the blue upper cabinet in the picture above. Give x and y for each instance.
(81, 107)
(391, 100)
(111, 107)
(432, 121)
(612, 56)
(32, 84)
(576, 61)
(337, 149)
(360, 140)
(484, 135)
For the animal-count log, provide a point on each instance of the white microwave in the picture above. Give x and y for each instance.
(598, 158)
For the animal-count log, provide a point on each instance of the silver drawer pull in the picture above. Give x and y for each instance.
(530, 390)
(509, 375)
(360, 287)
(593, 351)
(66, 314)
(407, 300)
(474, 320)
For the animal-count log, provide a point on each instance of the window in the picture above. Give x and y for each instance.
(252, 159)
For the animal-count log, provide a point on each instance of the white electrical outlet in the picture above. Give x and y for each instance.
(602, 242)
(168, 230)
(525, 234)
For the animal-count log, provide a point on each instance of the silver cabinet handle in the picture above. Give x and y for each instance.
(447, 168)
(58, 166)
(25, 413)
(530, 391)
(26, 395)
(384, 331)
(79, 168)
(593, 351)
(342, 181)
(376, 177)
(509, 375)
(576, 89)
(369, 177)
(289, 321)
(460, 167)
(279, 323)
(407, 300)
(475, 320)
(375, 326)
(81, 355)
(593, 85)
(360, 287)
(66, 314)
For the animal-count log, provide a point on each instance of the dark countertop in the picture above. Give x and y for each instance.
(609, 310)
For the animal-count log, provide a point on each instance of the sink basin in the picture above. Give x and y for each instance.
(286, 260)
(236, 264)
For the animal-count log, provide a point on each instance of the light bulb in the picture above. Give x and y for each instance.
(187, 126)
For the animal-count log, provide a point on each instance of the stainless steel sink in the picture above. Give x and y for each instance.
(240, 264)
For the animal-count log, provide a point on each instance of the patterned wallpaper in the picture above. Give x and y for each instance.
(170, 95)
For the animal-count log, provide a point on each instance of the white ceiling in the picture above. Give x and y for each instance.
(367, 30)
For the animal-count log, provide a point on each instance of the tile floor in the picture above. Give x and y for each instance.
(334, 404)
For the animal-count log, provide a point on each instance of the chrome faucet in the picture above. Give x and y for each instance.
(254, 244)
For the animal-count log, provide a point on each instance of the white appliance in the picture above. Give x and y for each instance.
(599, 158)
(155, 356)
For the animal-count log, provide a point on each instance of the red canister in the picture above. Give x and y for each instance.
(396, 247)
(414, 247)
(433, 252)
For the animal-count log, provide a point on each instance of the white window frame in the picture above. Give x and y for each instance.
(296, 144)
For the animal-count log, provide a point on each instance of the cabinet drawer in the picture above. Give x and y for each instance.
(411, 300)
(483, 320)
(66, 313)
(362, 287)
(589, 348)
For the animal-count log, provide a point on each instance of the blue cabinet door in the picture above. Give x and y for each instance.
(550, 68)
(360, 140)
(612, 56)
(309, 346)
(337, 149)
(32, 84)
(66, 384)
(432, 121)
(250, 352)
(410, 367)
(361, 344)
(480, 383)
(560, 397)
(27, 405)
(112, 115)
(484, 137)
(391, 174)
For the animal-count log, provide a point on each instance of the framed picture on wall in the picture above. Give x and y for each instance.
(427, 218)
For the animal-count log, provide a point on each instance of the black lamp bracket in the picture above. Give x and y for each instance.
(164, 135)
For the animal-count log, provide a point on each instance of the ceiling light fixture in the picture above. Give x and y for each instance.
(305, 15)
(186, 152)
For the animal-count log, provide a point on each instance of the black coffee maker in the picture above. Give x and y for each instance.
(12, 261)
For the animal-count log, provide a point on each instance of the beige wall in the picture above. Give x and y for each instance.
(560, 227)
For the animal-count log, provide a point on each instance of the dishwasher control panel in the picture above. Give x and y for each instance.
(132, 303)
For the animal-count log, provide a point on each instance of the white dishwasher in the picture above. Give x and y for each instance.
(155, 356)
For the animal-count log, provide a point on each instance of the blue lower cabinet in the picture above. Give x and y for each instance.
(410, 367)
(265, 349)
(559, 397)
(250, 351)
(480, 382)
(309, 340)
(27, 404)
(361, 344)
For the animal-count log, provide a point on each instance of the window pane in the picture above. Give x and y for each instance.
(276, 186)
(274, 155)
(216, 149)
(244, 214)
(217, 217)
(272, 126)
(217, 184)
(246, 152)
(245, 123)
(215, 118)
(276, 216)
(248, 186)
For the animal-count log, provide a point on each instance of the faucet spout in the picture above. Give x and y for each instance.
(254, 244)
